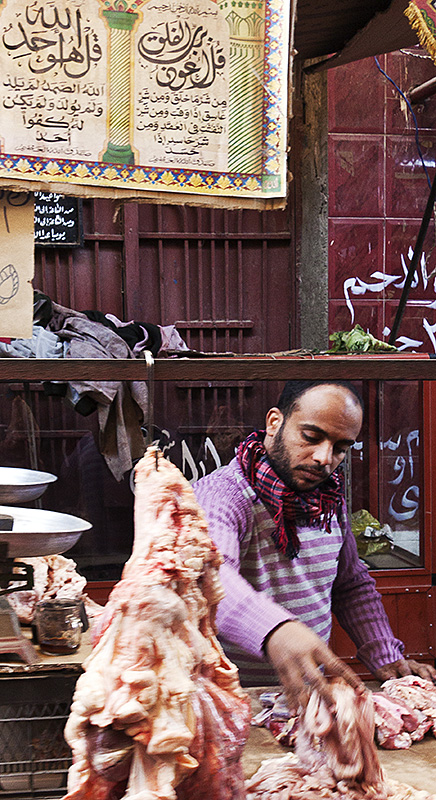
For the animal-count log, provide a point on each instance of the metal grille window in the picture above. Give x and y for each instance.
(35, 757)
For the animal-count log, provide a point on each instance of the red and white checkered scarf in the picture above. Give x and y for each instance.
(312, 508)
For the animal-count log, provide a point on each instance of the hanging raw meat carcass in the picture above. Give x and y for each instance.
(158, 713)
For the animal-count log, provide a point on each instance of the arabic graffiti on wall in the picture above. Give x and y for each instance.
(355, 287)
(168, 96)
(179, 452)
(404, 496)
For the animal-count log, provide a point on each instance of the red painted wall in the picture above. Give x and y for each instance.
(377, 195)
(378, 191)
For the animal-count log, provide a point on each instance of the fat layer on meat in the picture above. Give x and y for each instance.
(342, 740)
(159, 712)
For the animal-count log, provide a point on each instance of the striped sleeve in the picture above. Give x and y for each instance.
(245, 616)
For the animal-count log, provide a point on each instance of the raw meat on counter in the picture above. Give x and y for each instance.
(404, 711)
(417, 693)
(397, 725)
(54, 577)
(159, 712)
(276, 717)
(335, 757)
(285, 779)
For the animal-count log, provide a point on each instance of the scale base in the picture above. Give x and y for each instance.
(11, 638)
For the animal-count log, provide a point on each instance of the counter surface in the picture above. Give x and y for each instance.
(416, 766)
(14, 665)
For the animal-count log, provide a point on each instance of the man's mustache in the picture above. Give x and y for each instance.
(316, 472)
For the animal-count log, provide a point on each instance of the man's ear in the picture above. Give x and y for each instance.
(274, 419)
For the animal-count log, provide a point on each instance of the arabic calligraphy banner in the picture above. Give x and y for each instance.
(160, 99)
(16, 264)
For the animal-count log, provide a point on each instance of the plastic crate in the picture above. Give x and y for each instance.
(34, 755)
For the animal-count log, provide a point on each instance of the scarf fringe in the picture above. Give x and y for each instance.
(424, 26)
(285, 540)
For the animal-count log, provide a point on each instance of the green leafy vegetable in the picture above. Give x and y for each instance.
(357, 341)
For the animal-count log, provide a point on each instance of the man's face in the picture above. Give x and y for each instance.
(306, 448)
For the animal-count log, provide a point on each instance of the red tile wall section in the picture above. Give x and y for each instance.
(378, 191)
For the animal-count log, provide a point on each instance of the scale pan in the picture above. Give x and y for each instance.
(37, 532)
(22, 485)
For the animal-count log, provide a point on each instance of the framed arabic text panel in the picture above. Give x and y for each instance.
(58, 220)
(146, 96)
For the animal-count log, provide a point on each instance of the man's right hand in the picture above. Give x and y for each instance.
(297, 653)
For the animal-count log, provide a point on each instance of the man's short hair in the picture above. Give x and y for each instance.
(294, 389)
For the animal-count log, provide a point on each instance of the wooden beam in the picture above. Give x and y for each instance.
(233, 368)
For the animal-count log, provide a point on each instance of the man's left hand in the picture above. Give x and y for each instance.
(405, 666)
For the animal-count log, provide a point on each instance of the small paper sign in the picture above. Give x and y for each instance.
(16, 264)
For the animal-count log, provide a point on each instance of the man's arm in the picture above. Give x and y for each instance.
(261, 627)
(244, 616)
(251, 619)
(359, 610)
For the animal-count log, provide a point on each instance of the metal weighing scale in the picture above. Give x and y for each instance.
(24, 533)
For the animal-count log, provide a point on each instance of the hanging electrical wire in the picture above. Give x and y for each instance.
(415, 122)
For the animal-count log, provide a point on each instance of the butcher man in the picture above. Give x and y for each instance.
(277, 513)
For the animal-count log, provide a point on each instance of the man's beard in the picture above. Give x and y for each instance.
(279, 461)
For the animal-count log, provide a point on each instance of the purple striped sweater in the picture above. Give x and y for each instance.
(264, 588)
